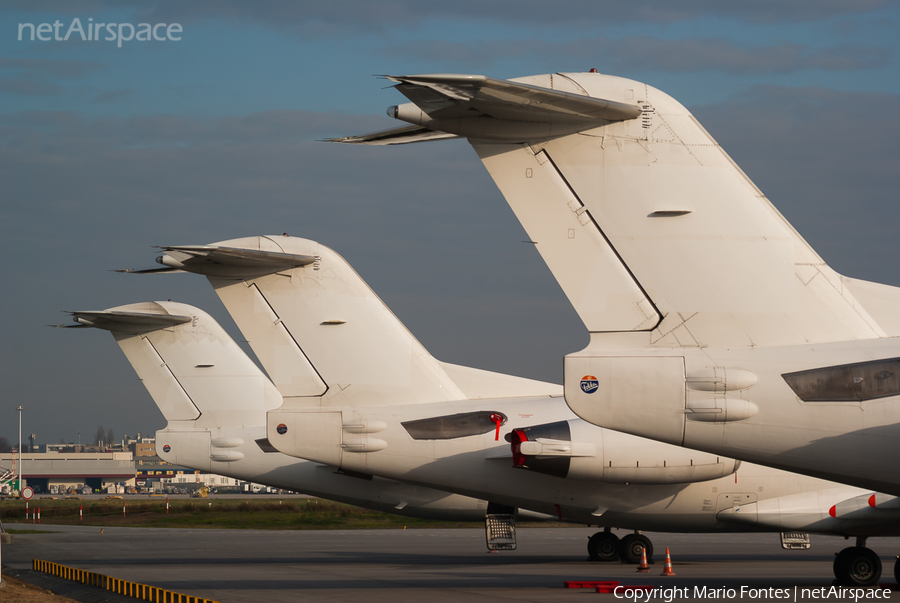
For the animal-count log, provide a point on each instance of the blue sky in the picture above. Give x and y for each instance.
(107, 151)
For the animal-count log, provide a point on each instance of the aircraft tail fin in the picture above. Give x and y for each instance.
(191, 367)
(323, 336)
(647, 224)
(206, 387)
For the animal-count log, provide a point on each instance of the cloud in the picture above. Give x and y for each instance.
(35, 77)
(27, 88)
(726, 56)
(422, 224)
(111, 96)
(330, 18)
(42, 68)
(644, 54)
(70, 129)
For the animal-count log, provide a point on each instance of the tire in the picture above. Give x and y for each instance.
(857, 566)
(603, 546)
(840, 565)
(630, 548)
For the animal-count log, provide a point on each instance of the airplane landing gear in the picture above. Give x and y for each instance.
(606, 546)
(631, 546)
(603, 546)
(858, 565)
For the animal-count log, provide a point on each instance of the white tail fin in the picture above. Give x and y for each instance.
(203, 383)
(645, 221)
(323, 335)
(191, 367)
(358, 349)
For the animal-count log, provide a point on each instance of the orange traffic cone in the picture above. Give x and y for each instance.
(667, 570)
(643, 567)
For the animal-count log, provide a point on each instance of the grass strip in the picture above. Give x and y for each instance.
(286, 514)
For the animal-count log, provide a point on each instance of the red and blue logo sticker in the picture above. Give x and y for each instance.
(589, 384)
(167, 448)
(281, 429)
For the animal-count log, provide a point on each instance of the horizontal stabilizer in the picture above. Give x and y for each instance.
(483, 108)
(231, 256)
(444, 96)
(210, 259)
(404, 135)
(232, 262)
(165, 270)
(136, 318)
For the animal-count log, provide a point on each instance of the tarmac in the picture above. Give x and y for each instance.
(432, 565)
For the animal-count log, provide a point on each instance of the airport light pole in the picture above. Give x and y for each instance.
(20, 447)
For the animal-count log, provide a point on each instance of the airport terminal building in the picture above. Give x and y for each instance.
(96, 470)
(59, 471)
(132, 466)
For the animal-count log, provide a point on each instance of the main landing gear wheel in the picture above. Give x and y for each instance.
(603, 546)
(630, 548)
(857, 566)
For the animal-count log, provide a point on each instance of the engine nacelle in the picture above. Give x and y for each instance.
(576, 449)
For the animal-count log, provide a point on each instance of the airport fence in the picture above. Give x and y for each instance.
(144, 592)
